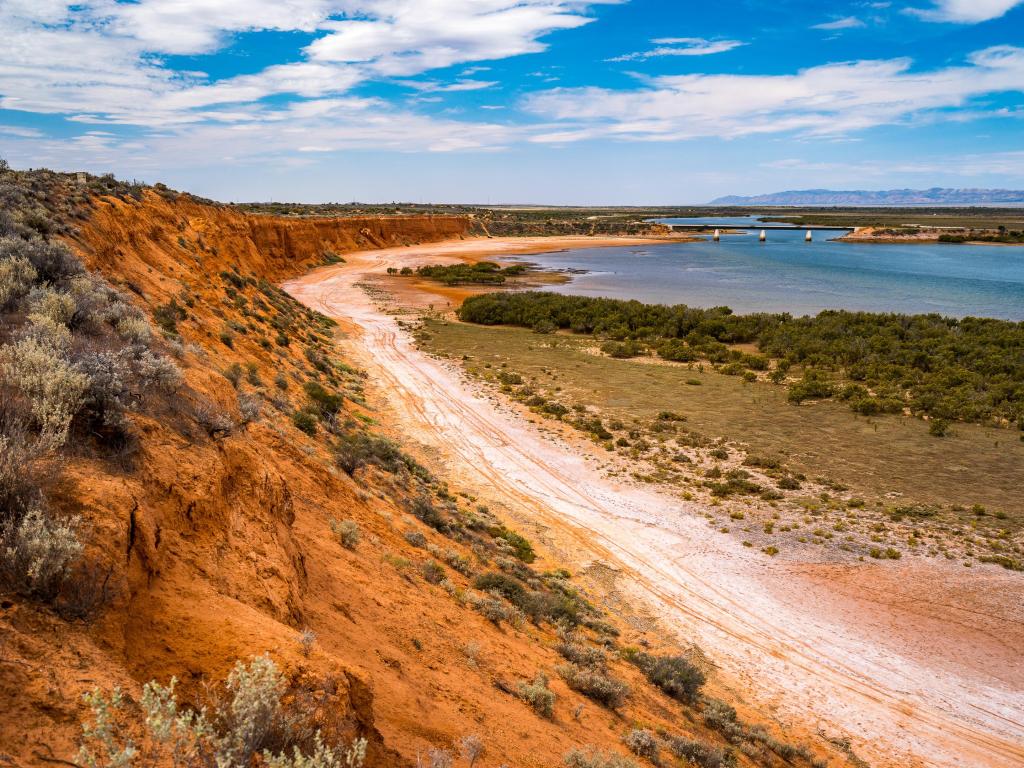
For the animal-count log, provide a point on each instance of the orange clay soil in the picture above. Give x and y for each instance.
(220, 549)
(915, 662)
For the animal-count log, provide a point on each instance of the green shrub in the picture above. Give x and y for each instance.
(813, 386)
(359, 449)
(326, 403)
(424, 509)
(539, 696)
(675, 675)
(594, 684)
(168, 315)
(521, 545)
(304, 421)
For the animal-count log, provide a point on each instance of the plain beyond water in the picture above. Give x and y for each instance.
(785, 274)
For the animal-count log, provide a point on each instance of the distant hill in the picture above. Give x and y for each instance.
(890, 197)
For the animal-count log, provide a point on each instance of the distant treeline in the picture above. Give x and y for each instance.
(1002, 235)
(970, 369)
(481, 273)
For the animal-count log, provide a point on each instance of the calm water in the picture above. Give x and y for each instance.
(786, 274)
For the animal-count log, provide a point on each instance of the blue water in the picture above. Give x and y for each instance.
(785, 274)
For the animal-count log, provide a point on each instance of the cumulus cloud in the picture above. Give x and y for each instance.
(828, 100)
(99, 60)
(680, 46)
(104, 63)
(965, 11)
(406, 37)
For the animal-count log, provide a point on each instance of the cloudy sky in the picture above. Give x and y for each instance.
(550, 101)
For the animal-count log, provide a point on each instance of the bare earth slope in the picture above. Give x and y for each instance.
(915, 663)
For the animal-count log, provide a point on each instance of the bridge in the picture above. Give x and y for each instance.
(735, 227)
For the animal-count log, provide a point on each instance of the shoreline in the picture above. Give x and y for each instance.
(816, 671)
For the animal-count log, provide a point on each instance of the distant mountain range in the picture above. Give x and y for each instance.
(889, 197)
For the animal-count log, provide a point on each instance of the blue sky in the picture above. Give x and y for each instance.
(503, 101)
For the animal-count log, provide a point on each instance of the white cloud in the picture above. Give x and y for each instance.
(199, 26)
(432, 86)
(965, 11)
(24, 133)
(848, 22)
(680, 46)
(829, 100)
(98, 60)
(406, 37)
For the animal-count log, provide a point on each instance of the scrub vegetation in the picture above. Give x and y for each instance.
(938, 367)
(480, 273)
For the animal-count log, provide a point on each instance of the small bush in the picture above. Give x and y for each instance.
(697, 752)
(167, 316)
(37, 553)
(359, 449)
(415, 538)
(581, 655)
(591, 757)
(325, 402)
(53, 386)
(520, 544)
(539, 696)
(52, 260)
(251, 723)
(304, 421)
(433, 572)
(642, 743)
(214, 421)
(250, 407)
(502, 584)
(673, 674)
(721, 717)
(493, 609)
(233, 373)
(347, 532)
(424, 509)
(17, 276)
(594, 684)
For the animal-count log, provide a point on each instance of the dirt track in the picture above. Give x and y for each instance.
(917, 663)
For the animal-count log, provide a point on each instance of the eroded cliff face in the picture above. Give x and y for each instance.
(213, 548)
(130, 241)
